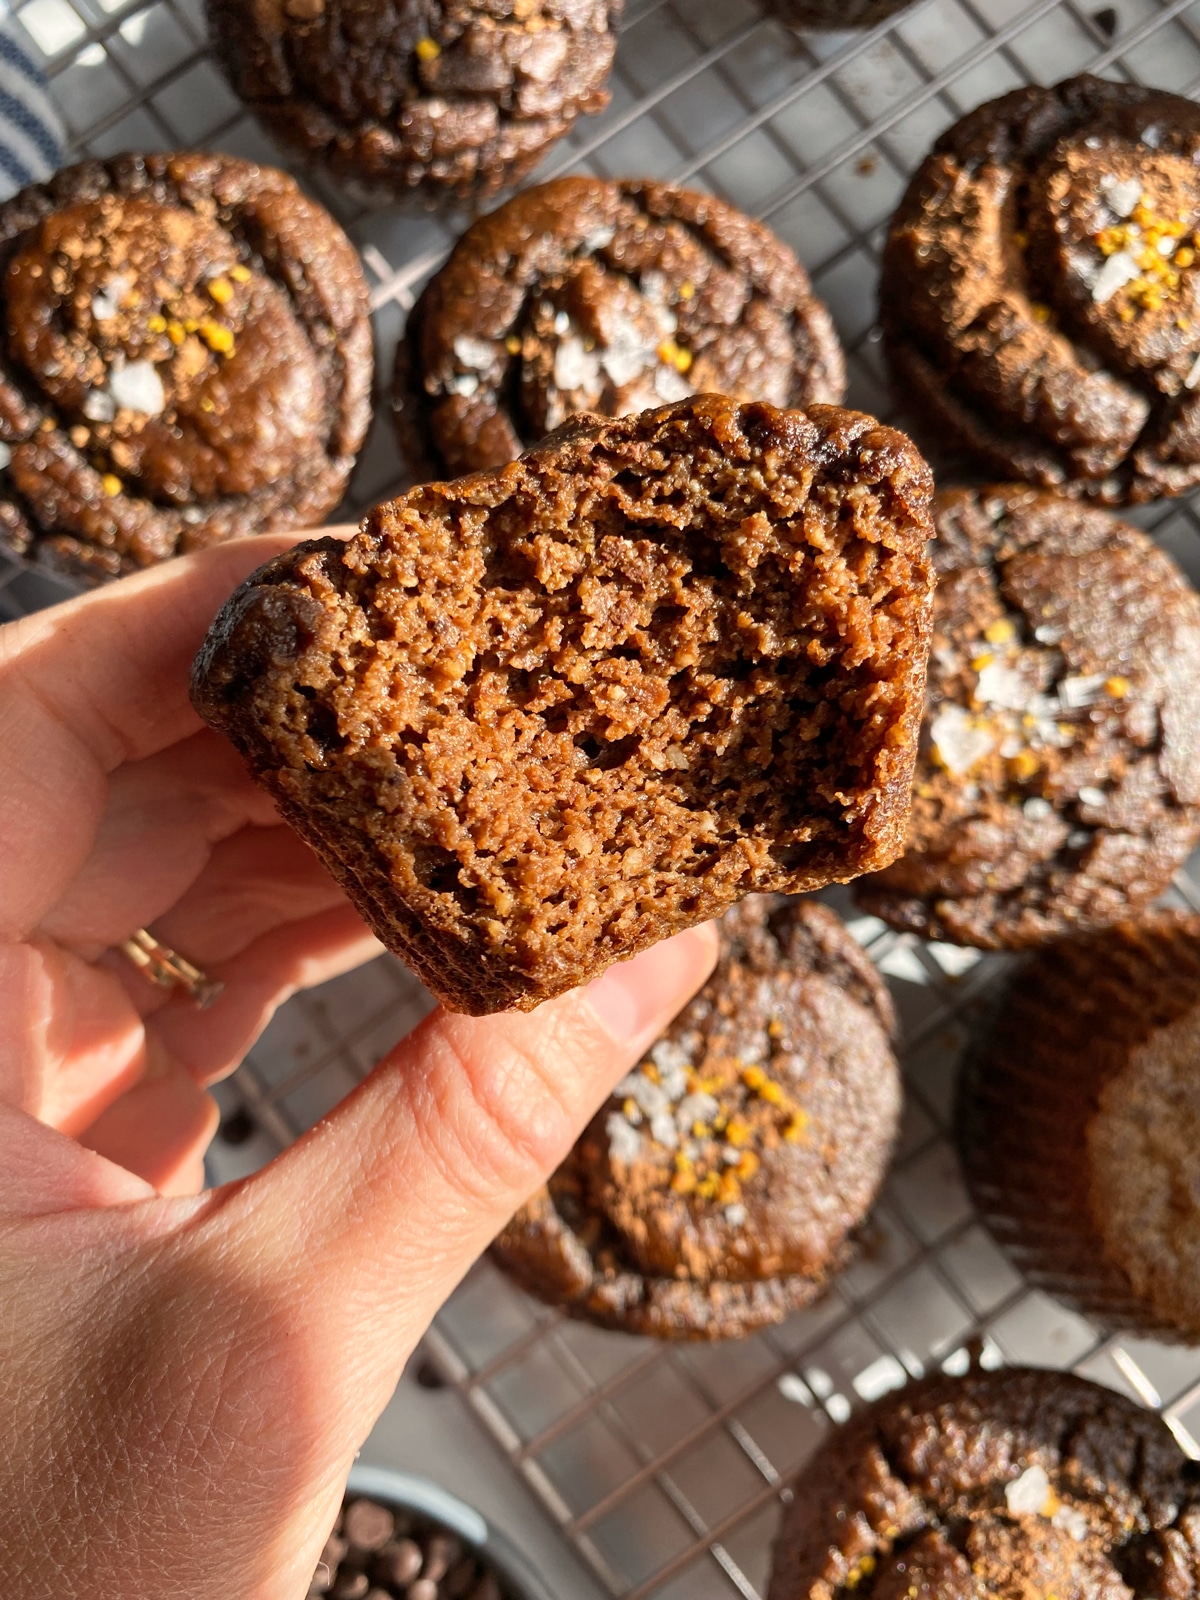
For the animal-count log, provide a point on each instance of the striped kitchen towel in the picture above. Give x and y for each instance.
(31, 138)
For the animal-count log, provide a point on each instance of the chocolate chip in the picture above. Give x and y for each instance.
(440, 1555)
(1106, 20)
(418, 1560)
(349, 1586)
(460, 1578)
(368, 1526)
(237, 1127)
(398, 1563)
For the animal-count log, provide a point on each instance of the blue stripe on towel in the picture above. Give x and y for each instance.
(20, 175)
(31, 125)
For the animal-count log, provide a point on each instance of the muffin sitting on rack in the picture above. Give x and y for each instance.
(603, 297)
(1079, 1124)
(457, 97)
(187, 360)
(717, 1189)
(1058, 784)
(1040, 298)
(1010, 1485)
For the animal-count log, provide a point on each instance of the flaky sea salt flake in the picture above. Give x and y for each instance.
(1121, 195)
(1001, 685)
(478, 354)
(576, 367)
(1072, 1521)
(663, 1130)
(106, 303)
(138, 387)
(958, 740)
(1028, 1495)
(1082, 691)
(1120, 268)
(624, 1141)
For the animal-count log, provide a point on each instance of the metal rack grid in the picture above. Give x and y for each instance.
(666, 1466)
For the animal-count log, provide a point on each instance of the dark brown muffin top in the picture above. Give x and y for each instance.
(1079, 1123)
(1016, 1484)
(715, 1190)
(1058, 784)
(1040, 292)
(187, 359)
(456, 96)
(538, 719)
(582, 295)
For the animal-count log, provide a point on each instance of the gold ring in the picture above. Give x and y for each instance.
(168, 969)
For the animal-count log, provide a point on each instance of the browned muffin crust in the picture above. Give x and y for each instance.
(187, 359)
(538, 719)
(1079, 1123)
(441, 96)
(1040, 298)
(717, 1189)
(1016, 1484)
(1058, 784)
(581, 295)
(833, 13)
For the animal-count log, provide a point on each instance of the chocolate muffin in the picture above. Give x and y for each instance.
(440, 96)
(536, 720)
(834, 14)
(187, 359)
(717, 1190)
(1079, 1124)
(1040, 298)
(377, 1552)
(1058, 784)
(603, 297)
(1017, 1484)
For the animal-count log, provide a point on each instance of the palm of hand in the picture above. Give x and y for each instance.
(184, 1381)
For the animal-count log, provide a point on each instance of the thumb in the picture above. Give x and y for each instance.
(365, 1226)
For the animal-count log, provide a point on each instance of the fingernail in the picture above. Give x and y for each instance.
(635, 1000)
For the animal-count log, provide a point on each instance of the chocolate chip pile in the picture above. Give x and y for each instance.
(374, 1553)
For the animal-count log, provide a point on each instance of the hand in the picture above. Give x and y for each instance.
(184, 1379)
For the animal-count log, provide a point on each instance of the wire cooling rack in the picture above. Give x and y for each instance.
(665, 1467)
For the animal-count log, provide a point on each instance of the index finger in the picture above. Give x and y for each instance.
(113, 666)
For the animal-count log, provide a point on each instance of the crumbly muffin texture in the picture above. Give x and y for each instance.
(1040, 297)
(717, 1188)
(1142, 1156)
(1017, 1484)
(187, 359)
(581, 295)
(538, 719)
(438, 96)
(1058, 784)
(1078, 1116)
